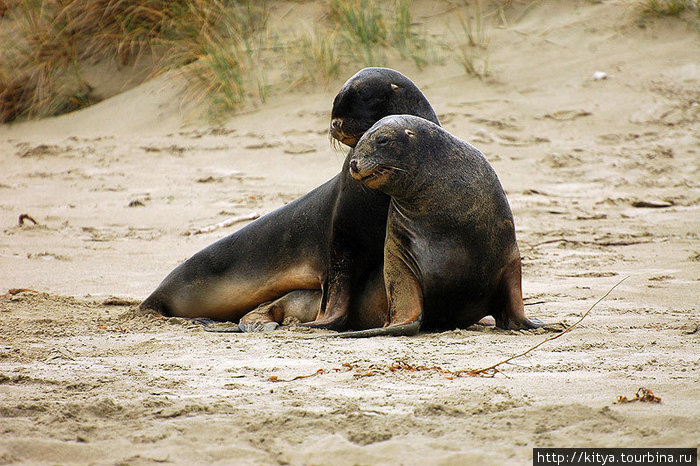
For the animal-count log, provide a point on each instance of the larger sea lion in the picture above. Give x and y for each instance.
(340, 223)
(450, 256)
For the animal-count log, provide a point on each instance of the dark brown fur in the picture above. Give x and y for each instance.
(450, 255)
(331, 239)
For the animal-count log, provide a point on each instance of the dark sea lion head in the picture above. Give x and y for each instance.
(393, 151)
(369, 96)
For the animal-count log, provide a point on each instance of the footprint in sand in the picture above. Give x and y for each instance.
(498, 124)
(172, 149)
(299, 148)
(41, 150)
(263, 145)
(48, 255)
(567, 115)
(486, 137)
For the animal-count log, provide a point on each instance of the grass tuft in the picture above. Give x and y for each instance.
(473, 53)
(369, 34)
(414, 46)
(668, 7)
(50, 41)
(219, 47)
(362, 27)
(39, 73)
(318, 57)
(210, 43)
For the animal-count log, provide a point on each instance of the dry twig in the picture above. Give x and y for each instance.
(491, 370)
(226, 223)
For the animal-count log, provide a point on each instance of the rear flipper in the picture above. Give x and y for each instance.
(296, 306)
(409, 329)
(217, 327)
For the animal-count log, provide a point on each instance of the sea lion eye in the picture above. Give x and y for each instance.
(394, 87)
(409, 133)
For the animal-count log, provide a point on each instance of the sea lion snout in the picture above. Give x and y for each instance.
(338, 133)
(368, 171)
(353, 168)
(358, 170)
(336, 124)
(336, 128)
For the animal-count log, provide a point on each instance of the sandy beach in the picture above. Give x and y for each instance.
(602, 172)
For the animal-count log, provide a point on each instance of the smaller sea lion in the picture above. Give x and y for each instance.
(450, 254)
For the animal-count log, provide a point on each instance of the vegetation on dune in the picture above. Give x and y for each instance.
(48, 43)
(473, 52)
(223, 49)
(220, 47)
(669, 7)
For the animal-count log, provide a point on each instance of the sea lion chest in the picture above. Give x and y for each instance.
(451, 249)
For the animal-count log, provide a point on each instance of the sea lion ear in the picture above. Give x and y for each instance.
(409, 133)
(394, 87)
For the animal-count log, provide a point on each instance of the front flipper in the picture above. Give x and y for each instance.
(404, 297)
(392, 330)
(334, 316)
(507, 307)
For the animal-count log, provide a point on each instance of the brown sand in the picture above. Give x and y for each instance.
(602, 176)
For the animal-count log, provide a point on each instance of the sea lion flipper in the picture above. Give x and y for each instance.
(403, 288)
(334, 314)
(214, 326)
(408, 330)
(511, 314)
(535, 323)
(300, 305)
(404, 296)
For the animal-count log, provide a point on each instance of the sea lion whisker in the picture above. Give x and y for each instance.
(393, 168)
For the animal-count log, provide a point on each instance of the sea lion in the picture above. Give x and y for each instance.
(292, 248)
(450, 255)
(359, 215)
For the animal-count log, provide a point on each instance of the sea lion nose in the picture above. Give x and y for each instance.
(336, 123)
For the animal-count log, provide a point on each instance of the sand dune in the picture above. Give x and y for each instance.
(602, 176)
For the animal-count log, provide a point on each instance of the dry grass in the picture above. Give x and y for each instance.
(39, 74)
(317, 53)
(49, 41)
(210, 42)
(371, 32)
(473, 51)
(361, 25)
(220, 48)
(668, 7)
